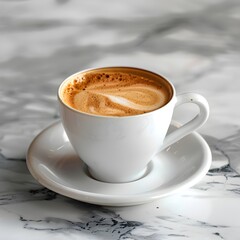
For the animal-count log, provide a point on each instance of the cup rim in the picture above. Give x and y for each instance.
(114, 117)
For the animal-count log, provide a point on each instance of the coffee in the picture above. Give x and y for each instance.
(116, 92)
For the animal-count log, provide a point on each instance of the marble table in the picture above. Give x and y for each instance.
(195, 44)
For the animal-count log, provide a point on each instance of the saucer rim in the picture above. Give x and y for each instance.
(120, 200)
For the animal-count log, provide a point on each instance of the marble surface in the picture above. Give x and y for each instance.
(195, 44)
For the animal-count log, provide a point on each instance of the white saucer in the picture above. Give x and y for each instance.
(53, 162)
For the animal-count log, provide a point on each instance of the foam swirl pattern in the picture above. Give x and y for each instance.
(115, 94)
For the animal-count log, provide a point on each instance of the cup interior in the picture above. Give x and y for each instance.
(131, 70)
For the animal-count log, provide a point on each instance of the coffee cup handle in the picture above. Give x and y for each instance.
(193, 124)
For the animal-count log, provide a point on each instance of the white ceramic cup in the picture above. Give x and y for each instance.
(118, 149)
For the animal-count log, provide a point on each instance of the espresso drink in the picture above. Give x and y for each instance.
(109, 92)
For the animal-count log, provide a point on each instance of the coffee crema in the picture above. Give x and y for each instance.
(115, 93)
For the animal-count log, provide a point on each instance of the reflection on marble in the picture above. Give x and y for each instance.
(194, 44)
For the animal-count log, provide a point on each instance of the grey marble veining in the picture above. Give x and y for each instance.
(194, 44)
